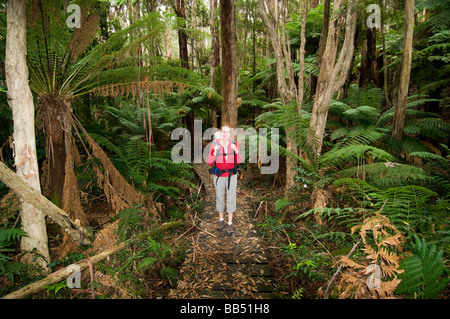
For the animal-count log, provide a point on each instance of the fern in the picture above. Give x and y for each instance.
(8, 267)
(381, 240)
(130, 221)
(388, 174)
(146, 263)
(424, 270)
(346, 217)
(11, 234)
(282, 203)
(408, 207)
(169, 273)
(354, 153)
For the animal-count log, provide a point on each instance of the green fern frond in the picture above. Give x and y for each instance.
(362, 114)
(146, 263)
(370, 96)
(388, 174)
(352, 153)
(423, 276)
(169, 273)
(282, 203)
(11, 234)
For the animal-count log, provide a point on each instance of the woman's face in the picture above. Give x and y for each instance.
(225, 132)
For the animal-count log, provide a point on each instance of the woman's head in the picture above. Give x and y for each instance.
(225, 131)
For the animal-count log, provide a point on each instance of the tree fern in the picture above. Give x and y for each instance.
(424, 271)
(408, 207)
(387, 174)
(353, 153)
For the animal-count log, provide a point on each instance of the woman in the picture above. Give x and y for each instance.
(226, 154)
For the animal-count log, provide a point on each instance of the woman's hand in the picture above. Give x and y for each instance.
(234, 148)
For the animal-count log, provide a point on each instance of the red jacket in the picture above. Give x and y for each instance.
(222, 162)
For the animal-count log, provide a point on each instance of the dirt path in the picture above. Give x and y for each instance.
(220, 266)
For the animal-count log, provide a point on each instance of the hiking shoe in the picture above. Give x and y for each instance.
(220, 225)
(230, 229)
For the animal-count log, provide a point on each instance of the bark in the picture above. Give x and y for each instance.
(229, 63)
(324, 33)
(55, 115)
(301, 73)
(33, 197)
(215, 56)
(20, 100)
(182, 38)
(63, 273)
(333, 73)
(369, 71)
(400, 107)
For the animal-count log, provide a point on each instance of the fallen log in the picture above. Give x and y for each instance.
(63, 273)
(35, 198)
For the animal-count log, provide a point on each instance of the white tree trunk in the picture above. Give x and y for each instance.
(332, 72)
(272, 20)
(21, 102)
(400, 107)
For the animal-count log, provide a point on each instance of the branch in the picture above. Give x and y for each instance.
(339, 270)
(35, 198)
(63, 273)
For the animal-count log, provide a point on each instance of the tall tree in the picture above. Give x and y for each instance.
(182, 37)
(274, 15)
(301, 58)
(21, 102)
(333, 72)
(215, 55)
(229, 62)
(400, 107)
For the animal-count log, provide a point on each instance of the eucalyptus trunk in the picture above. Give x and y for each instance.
(229, 63)
(400, 107)
(20, 100)
(215, 57)
(333, 72)
(272, 18)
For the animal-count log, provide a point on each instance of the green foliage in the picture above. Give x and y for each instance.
(346, 217)
(282, 203)
(130, 222)
(127, 141)
(9, 267)
(409, 207)
(425, 272)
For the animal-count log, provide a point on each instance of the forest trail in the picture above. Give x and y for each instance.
(220, 266)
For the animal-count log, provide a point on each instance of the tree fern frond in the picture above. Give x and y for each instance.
(423, 272)
(11, 234)
(354, 152)
(388, 174)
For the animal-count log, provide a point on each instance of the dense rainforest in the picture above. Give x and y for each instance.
(353, 96)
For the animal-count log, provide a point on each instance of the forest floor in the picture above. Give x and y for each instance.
(221, 266)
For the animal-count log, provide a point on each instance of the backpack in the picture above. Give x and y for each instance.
(214, 170)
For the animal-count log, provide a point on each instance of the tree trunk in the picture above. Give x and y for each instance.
(324, 33)
(400, 107)
(215, 57)
(21, 102)
(301, 73)
(270, 15)
(229, 63)
(333, 73)
(182, 38)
